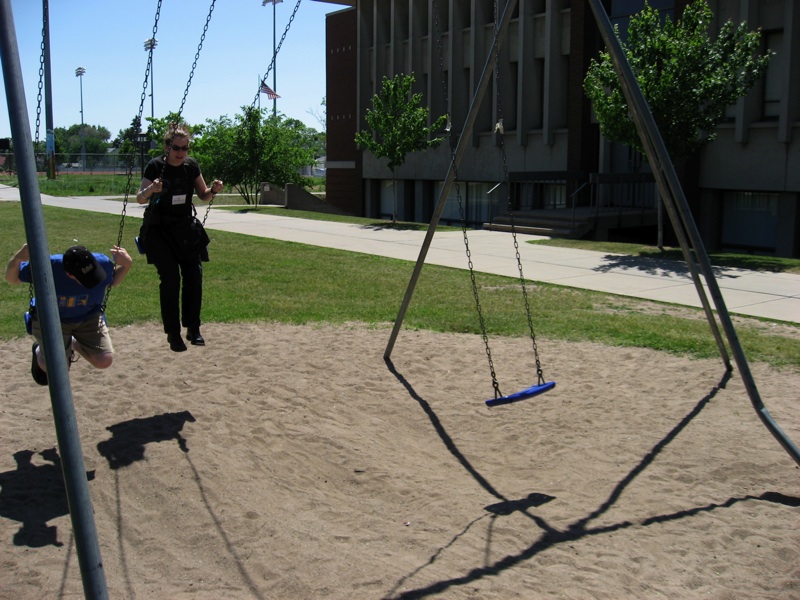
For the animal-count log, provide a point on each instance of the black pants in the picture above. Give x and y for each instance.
(181, 288)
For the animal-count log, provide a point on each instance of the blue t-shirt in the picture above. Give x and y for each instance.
(75, 302)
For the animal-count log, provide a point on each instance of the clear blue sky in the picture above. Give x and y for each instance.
(106, 37)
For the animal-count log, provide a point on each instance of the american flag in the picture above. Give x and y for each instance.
(265, 89)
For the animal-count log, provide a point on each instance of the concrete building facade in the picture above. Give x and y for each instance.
(535, 128)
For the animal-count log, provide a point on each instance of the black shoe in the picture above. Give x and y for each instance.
(39, 376)
(175, 342)
(194, 337)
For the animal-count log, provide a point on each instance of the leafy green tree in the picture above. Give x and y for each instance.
(128, 146)
(307, 137)
(157, 127)
(126, 142)
(398, 125)
(69, 140)
(688, 78)
(253, 147)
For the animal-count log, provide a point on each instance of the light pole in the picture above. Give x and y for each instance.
(141, 139)
(79, 73)
(274, 57)
(149, 46)
(48, 94)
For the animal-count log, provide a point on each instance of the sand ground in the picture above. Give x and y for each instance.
(293, 462)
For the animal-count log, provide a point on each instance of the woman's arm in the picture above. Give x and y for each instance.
(206, 194)
(147, 189)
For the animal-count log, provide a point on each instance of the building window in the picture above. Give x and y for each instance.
(773, 80)
(750, 221)
(387, 202)
(622, 10)
(476, 203)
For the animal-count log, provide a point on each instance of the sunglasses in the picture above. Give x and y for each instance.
(180, 148)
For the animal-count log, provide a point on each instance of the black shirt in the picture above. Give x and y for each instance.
(175, 198)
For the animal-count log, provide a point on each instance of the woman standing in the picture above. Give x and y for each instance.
(170, 236)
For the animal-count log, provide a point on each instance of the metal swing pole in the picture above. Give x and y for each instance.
(466, 131)
(74, 469)
(678, 206)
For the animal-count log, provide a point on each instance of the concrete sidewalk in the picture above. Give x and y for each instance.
(769, 295)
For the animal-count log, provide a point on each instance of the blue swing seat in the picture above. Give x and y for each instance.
(530, 392)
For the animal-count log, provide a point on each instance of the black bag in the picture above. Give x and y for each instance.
(189, 238)
(141, 239)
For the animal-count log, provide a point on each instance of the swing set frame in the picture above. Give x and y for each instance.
(672, 196)
(457, 154)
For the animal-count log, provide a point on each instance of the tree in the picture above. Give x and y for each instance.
(255, 147)
(158, 127)
(688, 78)
(307, 137)
(69, 140)
(126, 142)
(398, 125)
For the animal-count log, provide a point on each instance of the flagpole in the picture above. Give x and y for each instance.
(274, 66)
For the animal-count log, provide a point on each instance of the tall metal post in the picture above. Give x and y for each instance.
(150, 45)
(50, 144)
(274, 56)
(681, 215)
(69, 446)
(79, 73)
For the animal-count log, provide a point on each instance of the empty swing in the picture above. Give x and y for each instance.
(541, 386)
(456, 151)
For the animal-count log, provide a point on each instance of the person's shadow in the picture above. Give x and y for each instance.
(33, 495)
(128, 439)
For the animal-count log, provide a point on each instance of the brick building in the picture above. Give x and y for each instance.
(744, 188)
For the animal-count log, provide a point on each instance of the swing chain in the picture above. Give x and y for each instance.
(197, 56)
(482, 321)
(39, 116)
(41, 79)
(189, 82)
(499, 132)
(208, 210)
(142, 98)
(277, 49)
(461, 211)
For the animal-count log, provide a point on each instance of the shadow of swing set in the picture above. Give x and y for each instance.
(77, 491)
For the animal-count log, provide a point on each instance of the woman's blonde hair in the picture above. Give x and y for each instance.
(176, 130)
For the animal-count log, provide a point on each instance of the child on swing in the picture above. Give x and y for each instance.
(80, 279)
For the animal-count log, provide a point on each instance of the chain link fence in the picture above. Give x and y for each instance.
(91, 173)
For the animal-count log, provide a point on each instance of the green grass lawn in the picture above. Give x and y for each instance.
(258, 279)
(84, 184)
